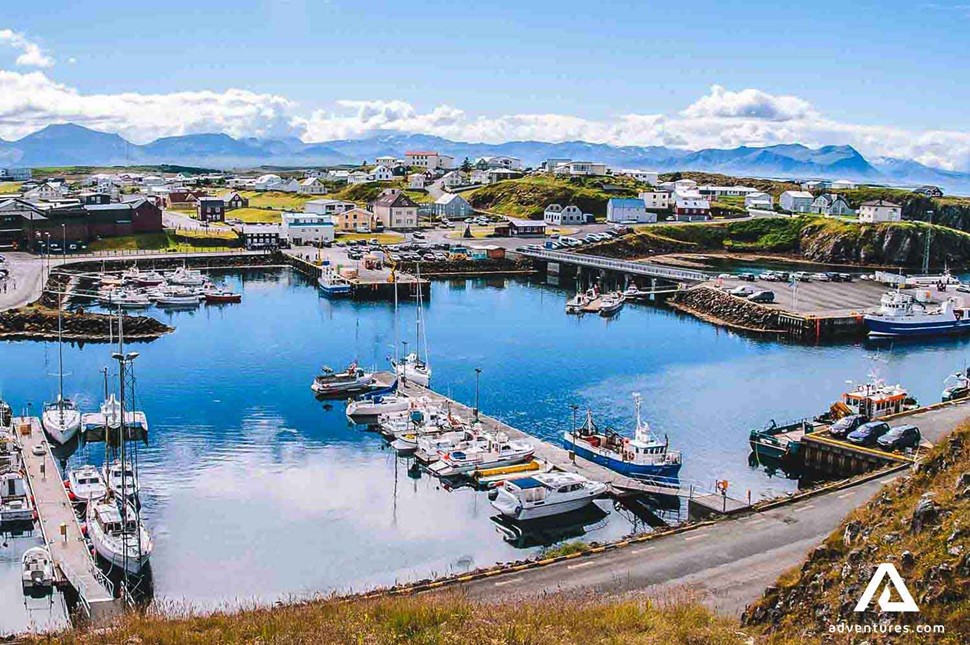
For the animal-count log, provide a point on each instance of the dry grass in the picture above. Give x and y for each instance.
(255, 215)
(8, 187)
(433, 620)
(277, 200)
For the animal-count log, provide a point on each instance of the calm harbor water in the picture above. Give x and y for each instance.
(256, 491)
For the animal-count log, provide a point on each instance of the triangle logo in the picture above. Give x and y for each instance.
(884, 570)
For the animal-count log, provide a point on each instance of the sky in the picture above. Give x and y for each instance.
(888, 78)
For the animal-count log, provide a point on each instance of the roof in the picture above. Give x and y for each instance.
(309, 181)
(108, 207)
(447, 198)
(394, 200)
(211, 199)
(420, 152)
(526, 222)
(631, 202)
(802, 194)
(881, 203)
(527, 482)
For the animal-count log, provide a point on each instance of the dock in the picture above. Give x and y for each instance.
(369, 283)
(74, 564)
(564, 460)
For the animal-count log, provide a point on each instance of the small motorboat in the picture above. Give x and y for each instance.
(221, 296)
(118, 535)
(330, 383)
(368, 406)
(485, 451)
(126, 299)
(16, 504)
(632, 291)
(185, 277)
(611, 303)
(576, 304)
(37, 569)
(959, 387)
(545, 494)
(177, 298)
(85, 484)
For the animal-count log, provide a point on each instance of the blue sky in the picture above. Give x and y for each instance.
(887, 65)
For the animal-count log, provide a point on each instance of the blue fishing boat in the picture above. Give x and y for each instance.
(645, 455)
(332, 284)
(900, 314)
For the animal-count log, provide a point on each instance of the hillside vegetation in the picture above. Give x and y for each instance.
(921, 525)
(528, 197)
(818, 239)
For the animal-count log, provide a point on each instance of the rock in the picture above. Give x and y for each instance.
(890, 538)
(852, 530)
(925, 513)
(907, 559)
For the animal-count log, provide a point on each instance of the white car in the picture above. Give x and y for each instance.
(822, 277)
(742, 292)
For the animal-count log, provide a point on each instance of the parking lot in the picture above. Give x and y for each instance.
(814, 296)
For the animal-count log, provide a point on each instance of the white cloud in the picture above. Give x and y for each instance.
(722, 118)
(31, 55)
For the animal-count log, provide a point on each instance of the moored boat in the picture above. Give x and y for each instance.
(485, 451)
(16, 504)
(177, 298)
(611, 304)
(61, 419)
(122, 482)
(331, 383)
(37, 570)
(372, 406)
(576, 304)
(545, 494)
(85, 484)
(118, 535)
(900, 314)
(332, 284)
(957, 386)
(779, 441)
(185, 277)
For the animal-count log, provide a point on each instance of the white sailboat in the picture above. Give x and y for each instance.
(61, 418)
(118, 535)
(414, 368)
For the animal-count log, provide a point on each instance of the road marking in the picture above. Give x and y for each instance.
(806, 507)
(507, 582)
(581, 564)
(695, 537)
(757, 521)
(844, 495)
(891, 479)
(648, 548)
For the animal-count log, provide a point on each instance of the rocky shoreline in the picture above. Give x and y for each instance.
(37, 323)
(717, 307)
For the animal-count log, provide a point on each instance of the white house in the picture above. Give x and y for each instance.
(306, 228)
(452, 206)
(358, 177)
(429, 159)
(843, 184)
(386, 161)
(153, 180)
(288, 186)
(628, 210)
(550, 165)
(831, 204)
(479, 177)
(759, 201)
(508, 163)
(267, 182)
(15, 174)
(416, 181)
(646, 176)
(581, 168)
(47, 192)
(557, 215)
(312, 186)
(453, 179)
(327, 206)
(796, 201)
(339, 176)
(656, 200)
(381, 173)
(880, 211)
(726, 191)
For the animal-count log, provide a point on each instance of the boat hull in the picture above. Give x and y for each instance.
(882, 327)
(624, 467)
(58, 430)
(536, 512)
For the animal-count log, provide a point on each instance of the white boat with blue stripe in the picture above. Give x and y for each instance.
(901, 314)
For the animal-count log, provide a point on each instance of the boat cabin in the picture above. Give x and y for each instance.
(109, 517)
(876, 400)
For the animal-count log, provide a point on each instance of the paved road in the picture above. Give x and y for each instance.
(24, 282)
(730, 562)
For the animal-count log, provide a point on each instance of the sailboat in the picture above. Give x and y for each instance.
(413, 368)
(61, 419)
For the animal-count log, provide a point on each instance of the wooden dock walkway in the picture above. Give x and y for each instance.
(73, 561)
(562, 459)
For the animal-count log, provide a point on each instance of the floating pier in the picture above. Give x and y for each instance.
(564, 460)
(74, 564)
(368, 284)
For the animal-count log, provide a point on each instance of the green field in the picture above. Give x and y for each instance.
(277, 200)
(529, 196)
(7, 187)
(255, 215)
(157, 242)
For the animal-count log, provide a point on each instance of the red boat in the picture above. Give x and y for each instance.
(222, 296)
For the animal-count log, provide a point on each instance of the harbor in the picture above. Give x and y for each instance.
(222, 457)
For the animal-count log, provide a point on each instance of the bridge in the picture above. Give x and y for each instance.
(621, 266)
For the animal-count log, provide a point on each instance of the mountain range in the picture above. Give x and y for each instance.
(74, 145)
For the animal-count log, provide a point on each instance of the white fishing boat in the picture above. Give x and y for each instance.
(576, 304)
(15, 502)
(545, 494)
(37, 569)
(185, 277)
(330, 383)
(126, 299)
(118, 535)
(121, 481)
(177, 298)
(332, 284)
(378, 405)
(486, 451)
(611, 303)
(85, 484)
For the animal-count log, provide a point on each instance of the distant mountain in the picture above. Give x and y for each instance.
(70, 144)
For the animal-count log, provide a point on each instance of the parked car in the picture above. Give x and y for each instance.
(742, 291)
(847, 424)
(868, 433)
(846, 277)
(418, 235)
(747, 277)
(762, 296)
(768, 276)
(822, 277)
(803, 276)
(900, 437)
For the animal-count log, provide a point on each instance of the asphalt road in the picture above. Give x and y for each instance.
(729, 563)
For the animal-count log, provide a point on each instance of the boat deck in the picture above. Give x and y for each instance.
(562, 459)
(73, 562)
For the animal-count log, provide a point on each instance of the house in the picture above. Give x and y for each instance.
(452, 206)
(880, 210)
(47, 192)
(327, 206)
(557, 215)
(15, 174)
(260, 236)
(453, 179)
(354, 220)
(500, 174)
(550, 165)
(338, 176)
(92, 198)
(759, 201)
(381, 173)
(929, 191)
(267, 182)
(796, 201)
(429, 160)
(655, 200)
(726, 191)
(816, 184)
(312, 186)
(359, 177)
(843, 184)
(288, 186)
(525, 227)
(581, 168)
(679, 185)
(507, 163)
(628, 209)
(645, 176)
(211, 209)
(306, 229)
(691, 206)
(394, 209)
(831, 204)
(416, 181)
(153, 180)
(182, 198)
(234, 200)
(386, 160)
(478, 176)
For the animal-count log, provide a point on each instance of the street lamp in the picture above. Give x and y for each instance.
(574, 408)
(478, 374)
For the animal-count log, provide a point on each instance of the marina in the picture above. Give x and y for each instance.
(219, 455)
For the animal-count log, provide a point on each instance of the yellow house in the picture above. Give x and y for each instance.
(354, 220)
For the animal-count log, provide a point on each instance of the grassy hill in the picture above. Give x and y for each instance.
(529, 196)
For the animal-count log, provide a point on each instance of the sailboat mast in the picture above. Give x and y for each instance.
(121, 446)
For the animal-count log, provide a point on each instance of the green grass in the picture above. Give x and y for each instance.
(277, 200)
(255, 215)
(528, 197)
(184, 241)
(7, 187)
(566, 548)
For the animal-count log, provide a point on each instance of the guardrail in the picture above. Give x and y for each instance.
(623, 266)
